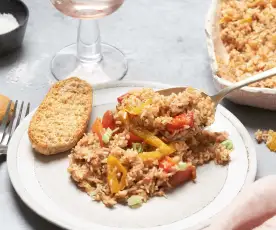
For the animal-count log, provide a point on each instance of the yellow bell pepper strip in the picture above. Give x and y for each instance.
(166, 150)
(162, 148)
(246, 20)
(138, 109)
(113, 167)
(154, 155)
(271, 142)
(97, 128)
(153, 140)
(226, 19)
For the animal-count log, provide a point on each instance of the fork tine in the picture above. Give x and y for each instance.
(19, 115)
(3, 148)
(9, 131)
(28, 109)
(5, 121)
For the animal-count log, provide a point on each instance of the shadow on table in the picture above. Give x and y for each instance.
(252, 118)
(33, 220)
(3, 158)
(10, 58)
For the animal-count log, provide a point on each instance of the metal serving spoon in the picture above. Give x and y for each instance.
(221, 94)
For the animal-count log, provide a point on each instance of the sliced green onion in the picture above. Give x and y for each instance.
(137, 147)
(93, 194)
(181, 166)
(108, 134)
(135, 201)
(228, 144)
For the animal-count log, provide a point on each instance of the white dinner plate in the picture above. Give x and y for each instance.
(44, 184)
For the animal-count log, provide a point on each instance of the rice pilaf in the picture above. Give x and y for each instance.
(160, 110)
(131, 154)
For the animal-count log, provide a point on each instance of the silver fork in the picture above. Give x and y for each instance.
(6, 128)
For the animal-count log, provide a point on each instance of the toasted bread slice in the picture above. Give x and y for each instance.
(4, 102)
(61, 119)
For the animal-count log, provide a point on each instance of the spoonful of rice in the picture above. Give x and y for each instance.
(223, 93)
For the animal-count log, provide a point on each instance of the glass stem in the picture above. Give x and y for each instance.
(89, 41)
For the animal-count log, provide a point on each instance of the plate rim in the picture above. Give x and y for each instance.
(39, 210)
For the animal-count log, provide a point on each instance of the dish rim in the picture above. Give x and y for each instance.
(209, 23)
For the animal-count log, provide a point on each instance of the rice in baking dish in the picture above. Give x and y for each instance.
(131, 154)
(248, 31)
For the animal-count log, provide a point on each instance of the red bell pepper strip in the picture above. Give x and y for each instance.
(166, 164)
(183, 176)
(108, 120)
(121, 98)
(178, 122)
(134, 139)
(137, 110)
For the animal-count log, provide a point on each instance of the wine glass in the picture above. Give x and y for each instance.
(89, 59)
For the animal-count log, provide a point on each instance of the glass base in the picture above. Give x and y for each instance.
(113, 65)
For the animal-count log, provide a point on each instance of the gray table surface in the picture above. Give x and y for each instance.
(163, 40)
